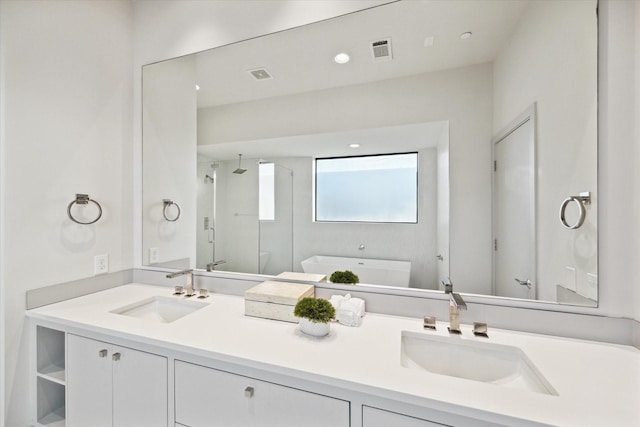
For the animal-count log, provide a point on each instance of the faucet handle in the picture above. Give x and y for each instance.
(429, 322)
(448, 286)
(480, 329)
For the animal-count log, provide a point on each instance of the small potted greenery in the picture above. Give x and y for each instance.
(346, 276)
(315, 315)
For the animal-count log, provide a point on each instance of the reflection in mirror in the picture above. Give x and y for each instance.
(503, 123)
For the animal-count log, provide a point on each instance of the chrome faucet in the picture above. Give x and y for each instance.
(189, 285)
(456, 303)
(212, 265)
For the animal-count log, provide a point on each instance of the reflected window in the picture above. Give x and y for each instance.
(266, 192)
(377, 188)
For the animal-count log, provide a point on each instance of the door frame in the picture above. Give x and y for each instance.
(529, 114)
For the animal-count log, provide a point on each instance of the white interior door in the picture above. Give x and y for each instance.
(514, 212)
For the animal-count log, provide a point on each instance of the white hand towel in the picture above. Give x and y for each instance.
(349, 311)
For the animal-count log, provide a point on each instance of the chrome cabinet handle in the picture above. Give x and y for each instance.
(526, 283)
(248, 392)
(115, 357)
(103, 353)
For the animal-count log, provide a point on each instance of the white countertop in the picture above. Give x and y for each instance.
(598, 384)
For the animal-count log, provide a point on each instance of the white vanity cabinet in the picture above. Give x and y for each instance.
(374, 417)
(109, 385)
(206, 397)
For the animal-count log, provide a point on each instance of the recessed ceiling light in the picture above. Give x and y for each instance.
(354, 145)
(197, 87)
(466, 35)
(341, 58)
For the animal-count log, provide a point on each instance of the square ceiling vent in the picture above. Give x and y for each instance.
(381, 50)
(260, 74)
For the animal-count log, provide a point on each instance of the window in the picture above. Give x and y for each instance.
(266, 192)
(379, 188)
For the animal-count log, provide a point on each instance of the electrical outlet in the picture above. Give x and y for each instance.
(101, 264)
(570, 280)
(154, 255)
(592, 286)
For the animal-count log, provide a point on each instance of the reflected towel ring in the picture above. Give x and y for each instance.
(83, 199)
(167, 203)
(581, 200)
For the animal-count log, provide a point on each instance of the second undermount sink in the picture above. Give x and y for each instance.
(487, 362)
(160, 309)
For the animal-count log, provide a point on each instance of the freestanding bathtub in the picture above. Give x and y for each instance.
(370, 271)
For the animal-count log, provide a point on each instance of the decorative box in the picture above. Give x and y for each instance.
(275, 300)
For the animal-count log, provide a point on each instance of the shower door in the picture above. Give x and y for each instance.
(275, 253)
(514, 212)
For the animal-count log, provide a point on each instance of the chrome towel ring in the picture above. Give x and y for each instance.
(581, 200)
(168, 203)
(83, 199)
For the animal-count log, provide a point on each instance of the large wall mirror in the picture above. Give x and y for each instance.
(406, 142)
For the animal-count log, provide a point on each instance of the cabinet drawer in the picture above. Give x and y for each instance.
(208, 397)
(373, 417)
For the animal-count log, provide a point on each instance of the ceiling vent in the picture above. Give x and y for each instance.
(381, 50)
(260, 74)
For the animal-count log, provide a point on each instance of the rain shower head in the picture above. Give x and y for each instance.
(239, 171)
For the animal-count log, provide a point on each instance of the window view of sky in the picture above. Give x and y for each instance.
(368, 189)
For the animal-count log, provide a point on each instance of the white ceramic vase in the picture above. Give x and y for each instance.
(312, 328)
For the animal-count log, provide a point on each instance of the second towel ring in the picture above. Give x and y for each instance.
(83, 199)
(581, 200)
(167, 203)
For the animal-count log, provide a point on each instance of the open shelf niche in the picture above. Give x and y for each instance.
(51, 377)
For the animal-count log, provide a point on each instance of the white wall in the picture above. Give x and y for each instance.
(461, 96)
(169, 127)
(636, 276)
(616, 163)
(67, 125)
(550, 60)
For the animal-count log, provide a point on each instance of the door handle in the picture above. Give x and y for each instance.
(115, 357)
(103, 353)
(526, 283)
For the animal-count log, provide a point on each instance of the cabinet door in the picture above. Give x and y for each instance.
(88, 383)
(373, 417)
(139, 389)
(210, 398)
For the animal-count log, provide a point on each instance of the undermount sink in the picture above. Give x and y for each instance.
(160, 309)
(487, 362)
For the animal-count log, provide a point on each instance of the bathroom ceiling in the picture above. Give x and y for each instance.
(224, 77)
